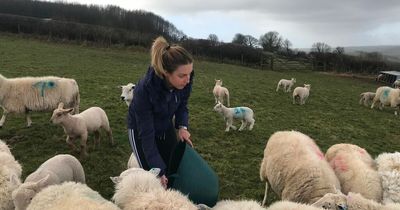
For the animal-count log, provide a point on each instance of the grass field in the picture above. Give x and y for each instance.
(331, 115)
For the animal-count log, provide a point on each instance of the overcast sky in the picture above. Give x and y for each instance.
(304, 22)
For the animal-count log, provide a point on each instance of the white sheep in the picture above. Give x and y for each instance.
(296, 169)
(220, 92)
(10, 177)
(366, 98)
(127, 92)
(56, 170)
(245, 114)
(389, 170)
(78, 126)
(25, 94)
(355, 170)
(387, 96)
(396, 84)
(301, 93)
(286, 84)
(139, 189)
(70, 195)
(237, 205)
(356, 201)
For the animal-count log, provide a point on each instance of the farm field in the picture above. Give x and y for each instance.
(331, 114)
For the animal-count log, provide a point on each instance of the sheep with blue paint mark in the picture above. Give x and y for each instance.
(387, 96)
(245, 114)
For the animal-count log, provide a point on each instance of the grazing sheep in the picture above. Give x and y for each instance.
(139, 189)
(25, 94)
(220, 92)
(356, 201)
(237, 205)
(286, 84)
(389, 170)
(302, 93)
(396, 84)
(366, 98)
(79, 125)
(10, 173)
(387, 96)
(132, 162)
(127, 92)
(56, 170)
(68, 196)
(296, 169)
(245, 114)
(379, 77)
(355, 170)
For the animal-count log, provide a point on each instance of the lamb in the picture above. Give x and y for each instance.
(25, 94)
(56, 170)
(355, 170)
(387, 96)
(396, 84)
(389, 170)
(10, 176)
(245, 114)
(302, 93)
(237, 205)
(296, 169)
(79, 125)
(355, 201)
(70, 195)
(366, 98)
(285, 84)
(140, 189)
(127, 92)
(220, 92)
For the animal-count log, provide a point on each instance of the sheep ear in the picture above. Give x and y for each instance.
(65, 111)
(41, 183)
(133, 87)
(61, 105)
(119, 86)
(14, 180)
(116, 179)
(155, 171)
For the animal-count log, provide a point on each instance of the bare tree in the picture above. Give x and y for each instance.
(320, 51)
(271, 41)
(239, 39)
(286, 47)
(213, 39)
(251, 41)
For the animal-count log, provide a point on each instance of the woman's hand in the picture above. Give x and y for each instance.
(164, 181)
(184, 135)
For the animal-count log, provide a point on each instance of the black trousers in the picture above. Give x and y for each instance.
(165, 144)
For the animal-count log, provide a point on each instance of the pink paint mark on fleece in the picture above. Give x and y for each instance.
(362, 151)
(317, 151)
(339, 163)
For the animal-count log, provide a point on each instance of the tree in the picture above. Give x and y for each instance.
(213, 39)
(271, 41)
(239, 39)
(320, 51)
(251, 41)
(286, 47)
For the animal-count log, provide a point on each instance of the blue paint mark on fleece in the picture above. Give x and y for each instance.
(42, 85)
(385, 95)
(238, 112)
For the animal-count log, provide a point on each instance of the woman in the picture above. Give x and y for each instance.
(160, 95)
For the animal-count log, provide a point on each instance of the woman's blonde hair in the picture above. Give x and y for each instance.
(166, 58)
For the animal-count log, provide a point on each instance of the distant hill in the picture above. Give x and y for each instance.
(391, 52)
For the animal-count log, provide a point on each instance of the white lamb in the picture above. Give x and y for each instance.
(366, 98)
(127, 92)
(79, 125)
(301, 93)
(355, 170)
(220, 92)
(237, 205)
(245, 114)
(387, 96)
(10, 177)
(396, 84)
(70, 196)
(286, 84)
(139, 189)
(295, 168)
(356, 201)
(25, 94)
(56, 170)
(389, 170)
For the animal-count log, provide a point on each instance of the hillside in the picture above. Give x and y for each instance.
(390, 52)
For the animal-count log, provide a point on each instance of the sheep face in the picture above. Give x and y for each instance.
(308, 86)
(23, 195)
(218, 107)
(218, 82)
(294, 80)
(127, 92)
(332, 201)
(59, 115)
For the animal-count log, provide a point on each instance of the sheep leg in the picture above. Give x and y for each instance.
(70, 142)
(264, 202)
(252, 121)
(84, 137)
(3, 118)
(96, 139)
(242, 125)
(110, 136)
(294, 99)
(277, 87)
(28, 119)
(361, 101)
(227, 125)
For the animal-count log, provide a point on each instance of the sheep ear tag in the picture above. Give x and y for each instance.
(155, 171)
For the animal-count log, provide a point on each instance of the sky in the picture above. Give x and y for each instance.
(341, 23)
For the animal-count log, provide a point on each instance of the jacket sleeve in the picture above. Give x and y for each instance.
(142, 109)
(182, 112)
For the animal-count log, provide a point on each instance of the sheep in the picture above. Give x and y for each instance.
(25, 94)
(355, 170)
(245, 114)
(70, 195)
(220, 92)
(379, 77)
(389, 170)
(396, 84)
(286, 84)
(356, 201)
(302, 93)
(387, 96)
(366, 98)
(296, 169)
(237, 205)
(79, 125)
(56, 170)
(10, 176)
(132, 162)
(127, 92)
(140, 189)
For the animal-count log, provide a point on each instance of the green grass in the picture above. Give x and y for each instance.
(331, 115)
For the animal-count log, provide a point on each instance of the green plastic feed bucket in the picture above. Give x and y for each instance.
(190, 174)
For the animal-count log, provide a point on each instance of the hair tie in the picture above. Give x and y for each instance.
(167, 48)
